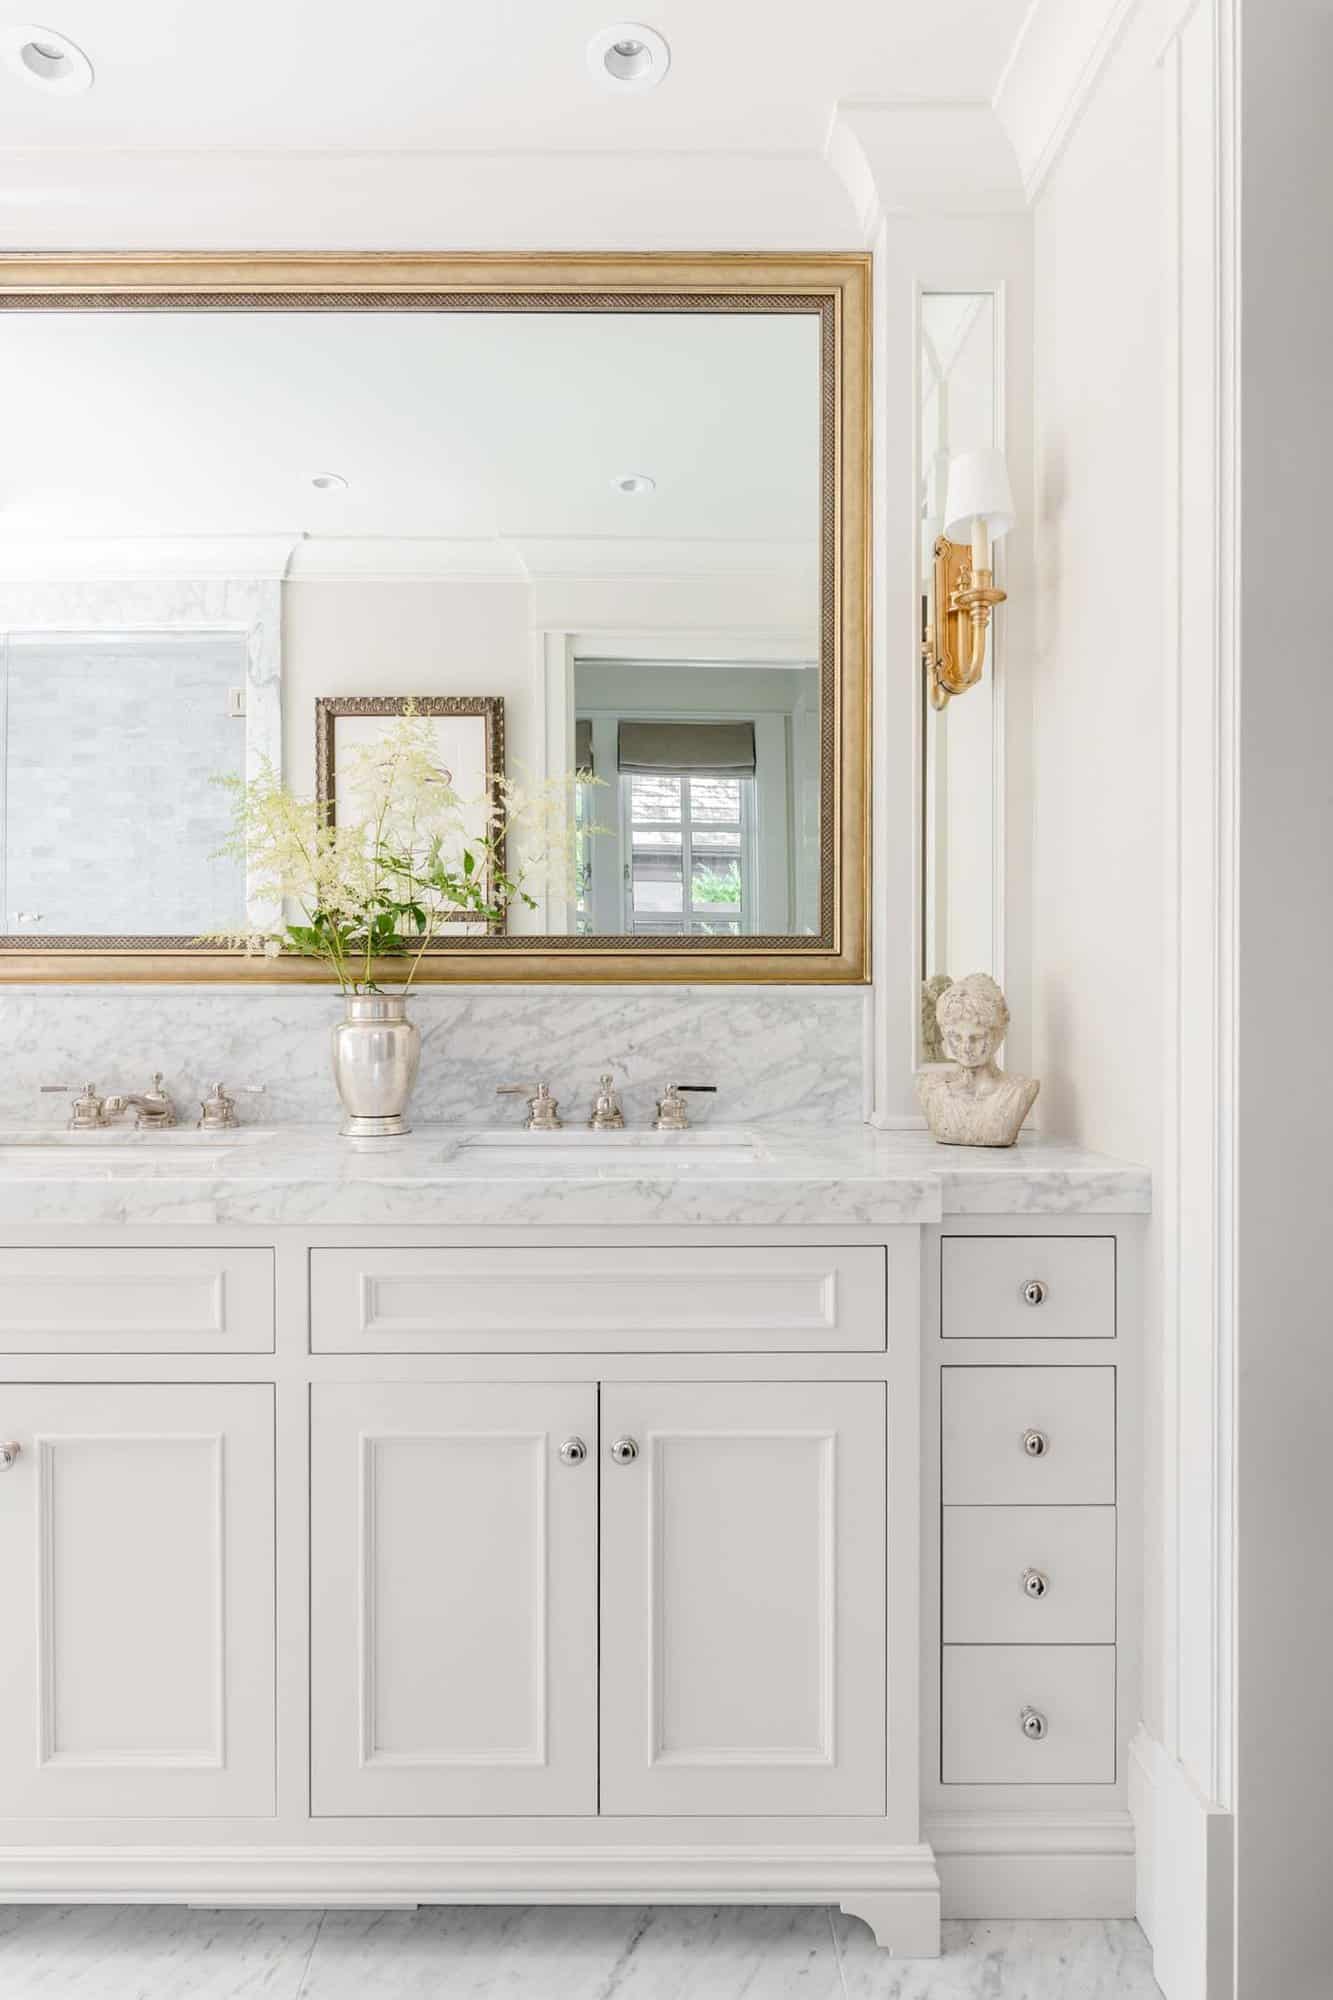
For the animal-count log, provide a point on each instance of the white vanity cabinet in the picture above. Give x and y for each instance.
(1031, 1563)
(397, 1563)
(453, 1544)
(136, 1569)
(458, 1535)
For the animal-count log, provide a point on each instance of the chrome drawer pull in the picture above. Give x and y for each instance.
(1034, 1292)
(8, 1453)
(1036, 1444)
(1034, 1583)
(624, 1451)
(573, 1451)
(1033, 1724)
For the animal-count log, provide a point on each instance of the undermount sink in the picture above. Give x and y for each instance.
(127, 1148)
(577, 1147)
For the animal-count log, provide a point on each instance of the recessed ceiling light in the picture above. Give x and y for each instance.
(634, 482)
(46, 58)
(328, 482)
(628, 56)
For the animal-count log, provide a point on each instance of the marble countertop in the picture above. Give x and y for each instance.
(768, 1176)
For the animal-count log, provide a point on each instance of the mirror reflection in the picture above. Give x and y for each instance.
(601, 530)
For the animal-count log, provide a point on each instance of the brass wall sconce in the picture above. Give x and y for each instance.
(979, 510)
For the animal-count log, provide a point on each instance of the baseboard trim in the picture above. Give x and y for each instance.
(1011, 1864)
(1185, 1875)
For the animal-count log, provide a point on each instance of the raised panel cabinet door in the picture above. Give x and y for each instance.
(453, 1597)
(136, 1573)
(743, 1644)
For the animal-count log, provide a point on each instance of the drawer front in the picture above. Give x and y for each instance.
(624, 1300)
(58, 1301)
(1016, 1576)
(1018, 1437)
(1068, 1691)
(1027, 1287)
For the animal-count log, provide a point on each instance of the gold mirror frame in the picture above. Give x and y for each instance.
(834, 288)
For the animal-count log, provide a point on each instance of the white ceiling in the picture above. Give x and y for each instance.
(461, 426)
(328, 75)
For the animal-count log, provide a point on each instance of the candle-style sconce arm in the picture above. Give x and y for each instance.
(962, 602)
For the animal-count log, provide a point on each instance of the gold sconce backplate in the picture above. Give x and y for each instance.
(955, 645)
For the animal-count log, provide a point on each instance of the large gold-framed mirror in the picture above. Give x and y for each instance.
(626, 497)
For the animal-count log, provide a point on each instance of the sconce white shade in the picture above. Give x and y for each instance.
(978, 491)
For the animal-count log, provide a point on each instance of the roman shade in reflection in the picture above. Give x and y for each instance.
(701, 749)
(583, 745)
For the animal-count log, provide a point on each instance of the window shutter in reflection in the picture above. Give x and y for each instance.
(697, 749)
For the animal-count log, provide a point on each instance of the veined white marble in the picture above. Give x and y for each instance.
(792, 1176)
(794, 1054)
(556, 1952)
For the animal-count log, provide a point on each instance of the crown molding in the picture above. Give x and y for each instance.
(922, 158)
(97, 559)
(1062, 48)
(297, 558)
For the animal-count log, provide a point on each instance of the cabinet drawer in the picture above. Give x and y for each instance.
(623, 1300)
(989, 1689)
(1027, 1287)
(1018, 1576)
(1028, 1436)
(58, 1301)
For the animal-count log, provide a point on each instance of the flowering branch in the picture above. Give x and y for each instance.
(408, 859)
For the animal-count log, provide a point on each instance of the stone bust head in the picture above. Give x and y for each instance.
(973, 1019)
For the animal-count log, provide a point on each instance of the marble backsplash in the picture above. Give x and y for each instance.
(794, 1053)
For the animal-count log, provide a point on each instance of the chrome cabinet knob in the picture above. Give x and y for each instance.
(624, 1451)
(1033, 1724)
(1036, 1444)
(1035, 1584)
(8, 1453)
(573, 1451)
(1034, 1291)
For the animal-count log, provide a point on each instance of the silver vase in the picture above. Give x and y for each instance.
(376, 1051)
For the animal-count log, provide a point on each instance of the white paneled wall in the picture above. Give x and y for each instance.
(1132, 876)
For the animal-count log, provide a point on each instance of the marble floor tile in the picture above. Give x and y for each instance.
(546, 1953)
(762, 1953)
(152, 1952)
(1003, 1961)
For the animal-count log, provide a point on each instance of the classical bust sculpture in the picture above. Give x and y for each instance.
(967, 1100)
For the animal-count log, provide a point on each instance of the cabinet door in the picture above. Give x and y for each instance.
(743, 1598)
(136, 1572)
(453, 1598)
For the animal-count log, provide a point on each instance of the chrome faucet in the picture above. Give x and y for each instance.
(153, 1109)
(671, 1116)
(217, 1111)
(543, 1109)
(606, 1114)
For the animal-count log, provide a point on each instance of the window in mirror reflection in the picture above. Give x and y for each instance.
(958, 412)
(701, 811)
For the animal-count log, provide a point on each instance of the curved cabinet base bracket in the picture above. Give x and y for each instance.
(905, 1922)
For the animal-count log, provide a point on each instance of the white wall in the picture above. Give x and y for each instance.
(1134, 851)
(451, 636)
(1096, 684)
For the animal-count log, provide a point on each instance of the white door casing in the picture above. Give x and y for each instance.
(743, 1598)
(136, 1565)
(453, 1598)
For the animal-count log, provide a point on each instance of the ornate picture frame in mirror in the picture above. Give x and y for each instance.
(467, 733)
